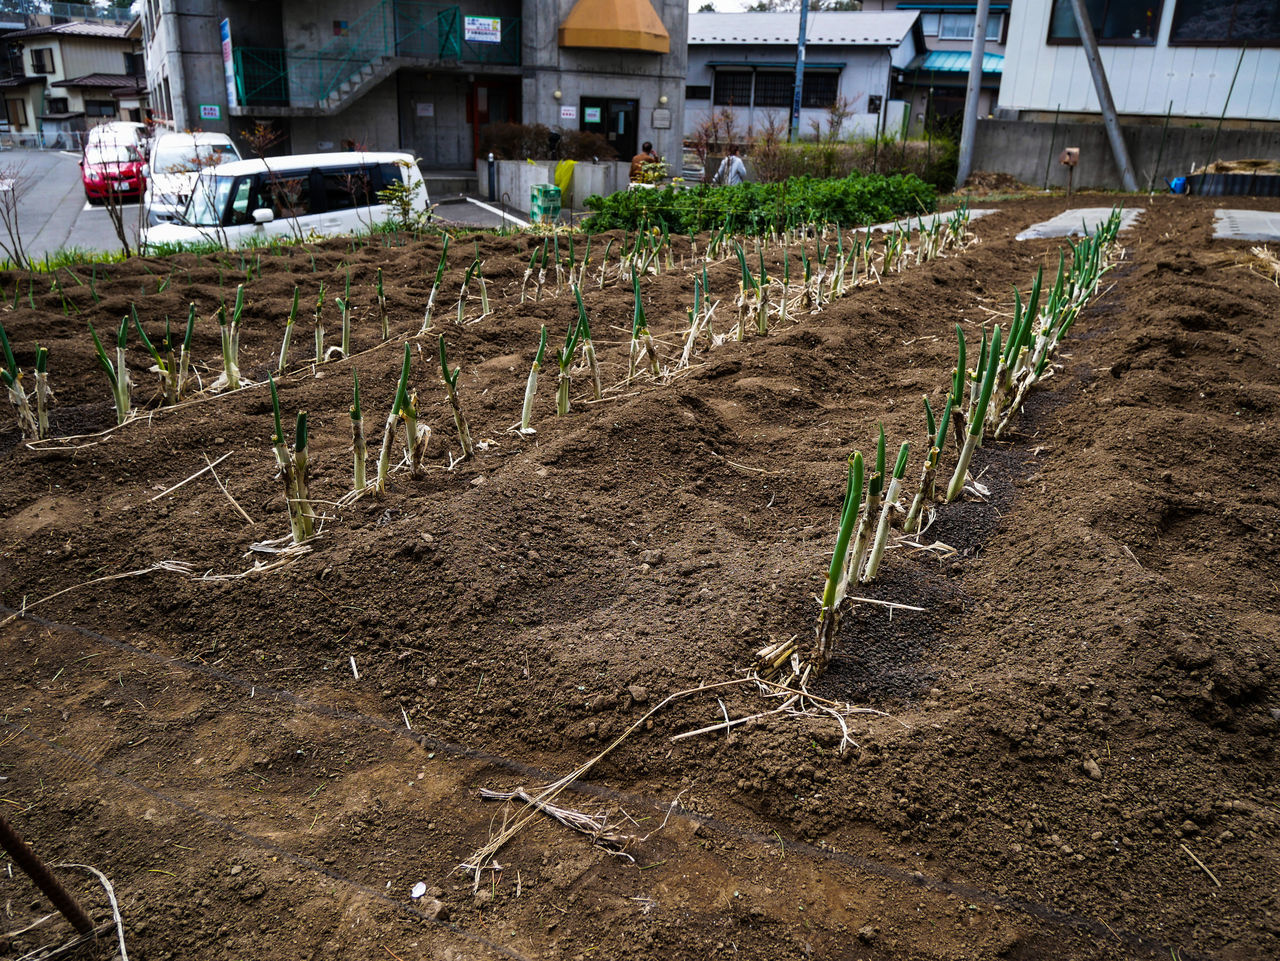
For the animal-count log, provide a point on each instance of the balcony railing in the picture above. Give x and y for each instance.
(272, 77)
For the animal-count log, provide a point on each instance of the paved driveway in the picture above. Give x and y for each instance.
(52, 211)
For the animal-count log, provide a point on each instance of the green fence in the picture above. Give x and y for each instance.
(391, 28)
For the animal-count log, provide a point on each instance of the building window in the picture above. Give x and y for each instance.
(959, 26)
(99, 108)
(133, 65)
(774, 88)
(56, 105)
(1238, 22)
(42, 60)
(733, 88)
(698, 92)
(929, 23)
(1114, 21)
(17, 113)
(819, 89)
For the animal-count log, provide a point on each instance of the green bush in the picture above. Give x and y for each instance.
(852, 201)
(932, 161)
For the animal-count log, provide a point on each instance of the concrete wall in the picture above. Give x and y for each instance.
(578, 73)
(370, 121)
(1022, 149)
(1143, 79)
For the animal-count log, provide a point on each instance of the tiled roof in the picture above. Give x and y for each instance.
(109, 80)
(957, 61)
(825, 27)
(76, 28)
(20, 81)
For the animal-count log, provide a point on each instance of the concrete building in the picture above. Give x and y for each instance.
(934, 83)
(74, 75)
(743, 65)
(423, 77)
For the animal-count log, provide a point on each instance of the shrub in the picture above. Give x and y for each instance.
(849, 201)
(934, 162)
(533, 141)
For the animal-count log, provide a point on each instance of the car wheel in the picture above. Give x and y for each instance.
(94, 201)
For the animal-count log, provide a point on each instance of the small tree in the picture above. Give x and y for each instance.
(13, 187)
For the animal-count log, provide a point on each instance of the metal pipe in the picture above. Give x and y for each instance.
(1213, 144)
(969, 131)
(794, 133)
(1109, 118)
(39, 873)
(1053, 142)
(1155, 171)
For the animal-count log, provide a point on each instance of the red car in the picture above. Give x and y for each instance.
(112, 170)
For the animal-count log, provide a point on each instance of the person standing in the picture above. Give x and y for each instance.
(645, 156)
(732, 169)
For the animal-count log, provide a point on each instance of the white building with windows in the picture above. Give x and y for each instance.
(1179, 57)
(742, 65)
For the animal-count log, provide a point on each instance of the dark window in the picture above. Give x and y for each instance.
(286, 193)
(42, 60)
(387, 174)
(698, 92)
(1114, 21)
(56, 105)
(733, 88)
(820, 89)
(774, 89)
(1226, 22)
(133, 65)
(344, 189)
(99, 108)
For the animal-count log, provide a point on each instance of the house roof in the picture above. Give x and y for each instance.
(76, 28)
(956, 61)
(107, 80)
(20, 81)
(868, 28)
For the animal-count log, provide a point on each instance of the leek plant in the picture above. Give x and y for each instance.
(435, 286)
(542, 273)
(528, 272)
(344, 309)
(231, 340)
(837, 582)
(531, 386)
(937, 434)
(641, 340)
(451, 391)
(886, 512)
(870, 509)
(118, 373)
(564, 360)
(382, 306)
(604, 263)
(11, 374)
(358, 444)
(466, 283)
(288, 332)
(977, 419)
(44, 396)
(588, 350)
(319, 317)
(293, 471)
(164, 365)
(393, 418)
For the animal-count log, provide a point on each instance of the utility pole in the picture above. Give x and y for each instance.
(1109, 118)
(969, 131)
(794, 133)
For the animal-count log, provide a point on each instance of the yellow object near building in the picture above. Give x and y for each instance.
(615, 25)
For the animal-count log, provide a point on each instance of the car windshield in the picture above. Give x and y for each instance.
(189, 158)
(112, 154)
(208, 200)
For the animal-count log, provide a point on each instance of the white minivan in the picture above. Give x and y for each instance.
(252, 201)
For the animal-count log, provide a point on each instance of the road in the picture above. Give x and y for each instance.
(52, 211)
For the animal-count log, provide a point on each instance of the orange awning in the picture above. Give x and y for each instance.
(615, 25)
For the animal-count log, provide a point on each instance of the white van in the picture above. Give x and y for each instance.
(176, 160)
(251, 201)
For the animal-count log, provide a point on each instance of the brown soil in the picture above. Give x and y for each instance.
(1087, 699)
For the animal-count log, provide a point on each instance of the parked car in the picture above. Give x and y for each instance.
(110, 170)
(176, 160)
(251, 201)
(116, 132)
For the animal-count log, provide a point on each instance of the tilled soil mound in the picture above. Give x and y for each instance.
(1072, 750)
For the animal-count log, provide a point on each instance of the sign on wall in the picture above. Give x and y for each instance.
(591, 114)
(210, 111)
(427, 109)
(568, 113)
(482, 29)
(228, 64)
